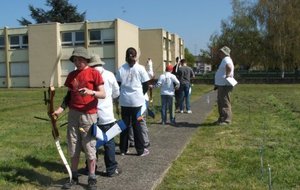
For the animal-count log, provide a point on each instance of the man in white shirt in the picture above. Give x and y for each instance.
(225, 70)
(133, 80)
(105, 113)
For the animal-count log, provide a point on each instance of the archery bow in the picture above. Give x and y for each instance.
(50, 102)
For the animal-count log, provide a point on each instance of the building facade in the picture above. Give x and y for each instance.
(28, 55)
(161, 46)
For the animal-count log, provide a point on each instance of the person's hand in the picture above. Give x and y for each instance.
(57, 112)
(86, 91)
(151, 86)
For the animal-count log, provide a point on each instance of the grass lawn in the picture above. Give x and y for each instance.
(265, 132)
(264, 137)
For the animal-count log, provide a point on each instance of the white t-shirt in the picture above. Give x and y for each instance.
(166, 82)
(220, 76)
(105, 106)
(131, 78)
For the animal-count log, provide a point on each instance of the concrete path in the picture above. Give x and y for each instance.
(167, 143)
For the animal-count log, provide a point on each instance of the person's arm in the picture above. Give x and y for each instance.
(66, 100)
(63, 105)
(115, 89)
(192, 73)
(100, 93)
(228, 70)
(176, 82)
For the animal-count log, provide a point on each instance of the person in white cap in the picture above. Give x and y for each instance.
(106, 117)
(85, 87)
(225, 70)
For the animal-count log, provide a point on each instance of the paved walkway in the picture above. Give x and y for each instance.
(167, 143)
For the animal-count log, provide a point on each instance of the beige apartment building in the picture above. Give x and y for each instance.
(28, 55)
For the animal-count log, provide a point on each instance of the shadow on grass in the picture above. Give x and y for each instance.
(21, 175)
(212, 124)
(51, 166)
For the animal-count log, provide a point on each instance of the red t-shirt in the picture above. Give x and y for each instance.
(77, 79)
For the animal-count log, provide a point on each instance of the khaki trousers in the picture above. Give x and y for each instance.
(224, 104)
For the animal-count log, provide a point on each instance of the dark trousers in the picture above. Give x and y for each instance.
(177, 99)
(129, 116)
(109, 151)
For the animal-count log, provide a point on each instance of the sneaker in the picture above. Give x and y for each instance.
(117, 172)
(224, 123)
(69, 183)
(181, 111)
(124, 153)
(162, 123)
(189, 111)
(92, 184)
(145, 153)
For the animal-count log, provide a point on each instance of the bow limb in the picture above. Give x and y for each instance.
(50, 101)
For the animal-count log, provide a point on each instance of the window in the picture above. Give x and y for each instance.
(2, 70)
(2, 42)
(105, 36)
(18, 41)
(19, 69)
(108, 36)
(72, 38)
(67, 67)
(95, 37)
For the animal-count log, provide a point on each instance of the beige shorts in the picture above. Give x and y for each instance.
(81, 139)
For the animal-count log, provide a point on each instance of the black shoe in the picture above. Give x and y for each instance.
(69, 183)
(117, 172)
(92, 184)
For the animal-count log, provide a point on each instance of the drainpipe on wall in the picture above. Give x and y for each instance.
(7, 58)
(86, 35)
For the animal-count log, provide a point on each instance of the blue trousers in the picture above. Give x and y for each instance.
(167, 104)
(109, 151)
(185, 97)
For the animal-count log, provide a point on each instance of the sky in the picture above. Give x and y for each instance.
(193, 20)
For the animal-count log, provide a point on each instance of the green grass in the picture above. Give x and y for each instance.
(266, 122)
(28, 156)
(266, 117)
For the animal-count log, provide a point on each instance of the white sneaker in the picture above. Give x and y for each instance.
(146, 152)
(189, 111)
(181, 111)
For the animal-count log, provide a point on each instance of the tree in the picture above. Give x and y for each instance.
(281, 26)
(61, 11)
(190, 59)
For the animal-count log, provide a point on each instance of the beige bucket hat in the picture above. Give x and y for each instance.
(96, 60)
(80, 52)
